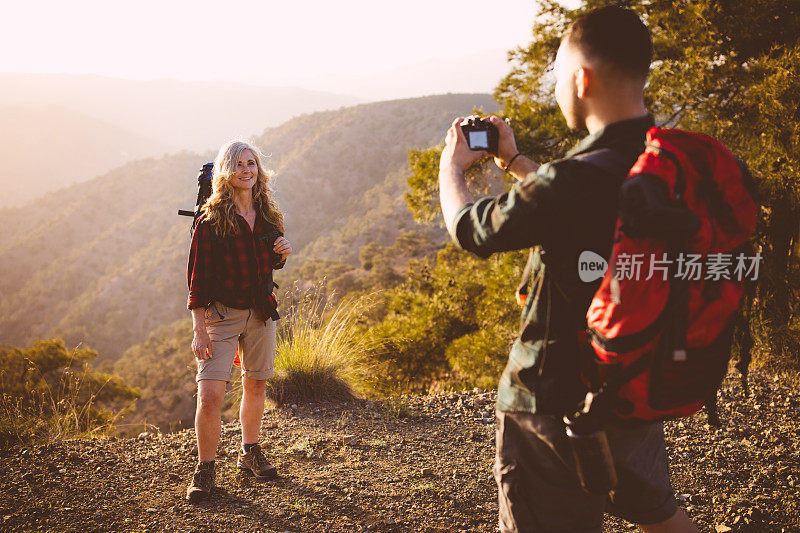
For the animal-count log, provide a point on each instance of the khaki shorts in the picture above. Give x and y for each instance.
(229, 328)
(539, 489)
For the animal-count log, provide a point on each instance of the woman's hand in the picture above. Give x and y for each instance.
(282, 246)
(201, 345)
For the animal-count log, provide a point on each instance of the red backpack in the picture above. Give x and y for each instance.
(660, 326)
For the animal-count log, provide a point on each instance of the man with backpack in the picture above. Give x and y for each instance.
(565, 208)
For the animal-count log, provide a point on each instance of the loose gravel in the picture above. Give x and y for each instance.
(416, 463)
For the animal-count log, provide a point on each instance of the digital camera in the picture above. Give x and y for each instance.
(481, 134)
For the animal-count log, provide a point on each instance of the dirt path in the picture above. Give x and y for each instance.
(420, 465)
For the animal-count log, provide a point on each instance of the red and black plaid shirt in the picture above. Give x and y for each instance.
(236, 270)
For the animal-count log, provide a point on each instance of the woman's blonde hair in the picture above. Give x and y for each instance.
(219, 209)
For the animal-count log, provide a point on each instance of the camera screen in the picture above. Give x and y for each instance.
(478, 139)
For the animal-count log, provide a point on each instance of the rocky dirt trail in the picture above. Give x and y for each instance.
(422, 464)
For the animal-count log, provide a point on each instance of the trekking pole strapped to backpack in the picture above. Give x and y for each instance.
(204, 190)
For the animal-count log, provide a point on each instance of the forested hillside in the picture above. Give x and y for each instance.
(103, 262)
(164, 369)
(100, 262)
(333, 165)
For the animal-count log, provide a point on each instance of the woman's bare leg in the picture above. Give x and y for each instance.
(207, 418)
(252, 408)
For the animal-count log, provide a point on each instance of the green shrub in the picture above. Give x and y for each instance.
(450, 324)
(480, 356)
(48, 393)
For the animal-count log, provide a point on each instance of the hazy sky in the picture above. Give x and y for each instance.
(251, 41)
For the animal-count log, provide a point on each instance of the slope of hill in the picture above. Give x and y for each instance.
(48, 147)
(58, 129)
(327, 162)
(95, 263)
(103, 262)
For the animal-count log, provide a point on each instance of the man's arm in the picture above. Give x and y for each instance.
(457, 157)
(510, 221)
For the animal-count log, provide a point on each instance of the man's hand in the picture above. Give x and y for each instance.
(201, 345)
(456, 154)
(507, 149)
(282, 246)
(506, 144)
(456, 157)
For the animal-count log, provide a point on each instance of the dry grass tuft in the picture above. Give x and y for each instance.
(323, 350)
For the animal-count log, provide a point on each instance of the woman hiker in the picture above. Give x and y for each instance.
(237, 243)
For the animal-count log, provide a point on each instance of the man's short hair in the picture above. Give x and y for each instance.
(614, 36)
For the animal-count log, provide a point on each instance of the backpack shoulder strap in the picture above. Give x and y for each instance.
(606, 159)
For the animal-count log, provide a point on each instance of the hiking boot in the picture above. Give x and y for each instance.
(202, 482)
(254, 462)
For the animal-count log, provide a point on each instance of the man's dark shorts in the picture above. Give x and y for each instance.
(539, 489)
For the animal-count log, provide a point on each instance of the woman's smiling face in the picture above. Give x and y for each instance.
(246, 171)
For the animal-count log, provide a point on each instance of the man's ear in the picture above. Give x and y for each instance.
(582, 75)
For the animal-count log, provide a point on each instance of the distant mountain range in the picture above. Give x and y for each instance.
(56, 129)
(103, 262)
(182, 115)
(47, 147)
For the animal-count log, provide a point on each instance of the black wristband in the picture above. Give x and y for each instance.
(512, 160)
